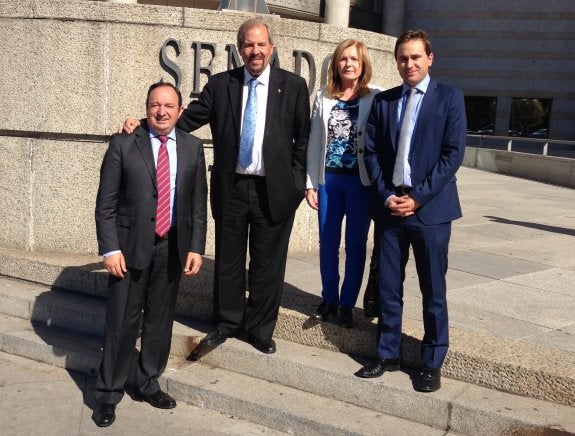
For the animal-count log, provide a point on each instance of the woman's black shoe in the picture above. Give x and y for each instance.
(324, 310)
(346, 317)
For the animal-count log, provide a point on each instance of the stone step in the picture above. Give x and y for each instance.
(498, 363)
(277, 406)
(461, 407)
(503, 364)
(305, 390)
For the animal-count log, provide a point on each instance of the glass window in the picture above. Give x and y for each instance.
(530, 117)
(480, 115)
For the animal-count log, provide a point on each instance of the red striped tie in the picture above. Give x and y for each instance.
(163, 181)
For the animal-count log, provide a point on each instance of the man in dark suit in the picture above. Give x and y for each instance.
(415, 143)
(151, 225)
(253, 201)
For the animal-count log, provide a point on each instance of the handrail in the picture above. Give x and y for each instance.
(484, 141)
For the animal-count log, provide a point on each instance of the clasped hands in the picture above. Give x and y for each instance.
(403, 206)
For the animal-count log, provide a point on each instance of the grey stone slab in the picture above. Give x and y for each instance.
(64, 195)
(72, 75)
(36, 396)
(470, 317)
(481, 411)
(15, 180)
(554, 250)
(556, 281)
(519, 302)
(492, 265)
(293, 411)
(562, 338)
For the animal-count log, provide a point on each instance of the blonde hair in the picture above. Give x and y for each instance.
(334, 84)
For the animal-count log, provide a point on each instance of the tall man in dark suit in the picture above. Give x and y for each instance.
(415, 143)
(253, 202)
(257, 182)
(151, 225)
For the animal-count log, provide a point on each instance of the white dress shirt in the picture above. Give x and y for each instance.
(257, 166)
(421, 88)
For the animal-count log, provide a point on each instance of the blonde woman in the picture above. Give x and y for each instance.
(337, 181)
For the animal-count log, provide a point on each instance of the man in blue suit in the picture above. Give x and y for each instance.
(415, 142)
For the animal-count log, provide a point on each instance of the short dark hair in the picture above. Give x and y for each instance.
(412, 35)
(169, 85)
(250, 24)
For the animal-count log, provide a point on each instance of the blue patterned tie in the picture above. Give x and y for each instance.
(249, 126)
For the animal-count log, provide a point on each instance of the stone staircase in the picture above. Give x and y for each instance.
(57, 316)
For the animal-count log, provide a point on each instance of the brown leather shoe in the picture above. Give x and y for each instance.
(377, 367)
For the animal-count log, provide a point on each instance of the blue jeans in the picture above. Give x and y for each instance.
(340, 196)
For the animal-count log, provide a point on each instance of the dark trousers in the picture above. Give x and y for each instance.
(147, 298)
(246, 218)
(430, 247)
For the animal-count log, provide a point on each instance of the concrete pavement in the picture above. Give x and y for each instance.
(511, 291)
(40, 399)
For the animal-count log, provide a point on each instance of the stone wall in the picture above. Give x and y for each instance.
(72, 70)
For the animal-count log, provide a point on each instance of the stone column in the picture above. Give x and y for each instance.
(393, 17)
(337, 12)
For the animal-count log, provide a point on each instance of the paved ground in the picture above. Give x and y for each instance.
(511, 263)
(512, 275)
(39, 399)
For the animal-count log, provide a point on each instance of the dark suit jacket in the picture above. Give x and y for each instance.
(437, 150)
(284, 143)
(127, 197)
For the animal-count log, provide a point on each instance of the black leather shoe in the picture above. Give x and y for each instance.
(377, 367)
(345, 317)
(104, 415)
(159, 399)
(214, 338)
(324, 310)
(429, 380)
(267, 346)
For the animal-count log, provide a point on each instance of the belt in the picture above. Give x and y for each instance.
(248, 177)
(402, 190)
(170, 234)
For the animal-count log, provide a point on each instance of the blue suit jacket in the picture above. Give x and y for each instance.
(437, 150)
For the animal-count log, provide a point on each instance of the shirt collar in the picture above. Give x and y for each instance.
(263, 78)
(171, 135)
(421, 86)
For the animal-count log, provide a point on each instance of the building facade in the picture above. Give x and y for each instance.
(514, 60)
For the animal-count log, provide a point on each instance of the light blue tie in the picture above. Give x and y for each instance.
(249, 126)
(405, 133)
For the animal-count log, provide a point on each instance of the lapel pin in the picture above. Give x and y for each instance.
(279, 91)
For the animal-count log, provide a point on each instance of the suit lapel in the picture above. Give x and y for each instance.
(393, 107)
(426, 104)
(145, 148)
(275, 94)
(183, 160)
(235, 91)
